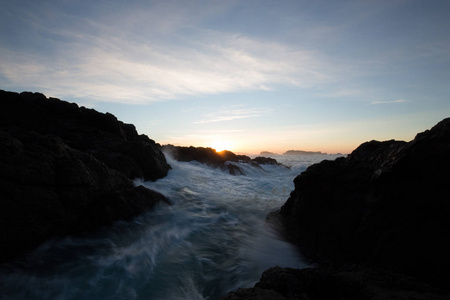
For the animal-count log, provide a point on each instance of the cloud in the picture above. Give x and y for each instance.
(141, 73)
(340, 92)
(390, 101)
(134, 57)
(233, 114)
(220, 131)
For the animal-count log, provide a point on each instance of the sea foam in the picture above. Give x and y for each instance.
(210, 241)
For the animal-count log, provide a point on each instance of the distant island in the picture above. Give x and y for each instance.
(267, 153)
(301, 152)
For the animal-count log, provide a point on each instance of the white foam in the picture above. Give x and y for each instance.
(210, 241)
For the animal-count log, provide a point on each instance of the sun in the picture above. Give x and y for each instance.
(221, 145)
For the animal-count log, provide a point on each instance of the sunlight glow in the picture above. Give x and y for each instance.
(220, 145)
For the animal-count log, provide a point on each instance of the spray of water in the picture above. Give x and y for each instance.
(210, 241)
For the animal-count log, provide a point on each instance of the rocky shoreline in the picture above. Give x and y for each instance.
(350, 283)
(376, 223)
(66, 170)
(224, 160)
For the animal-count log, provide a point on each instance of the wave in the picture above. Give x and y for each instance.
(210, 241)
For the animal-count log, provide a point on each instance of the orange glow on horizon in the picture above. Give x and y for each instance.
(220, 145)
(252, 147)
(256, 150)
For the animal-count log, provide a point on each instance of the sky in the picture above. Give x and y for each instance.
(246, 76)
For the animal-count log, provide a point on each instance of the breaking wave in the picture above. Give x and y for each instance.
(210, 241)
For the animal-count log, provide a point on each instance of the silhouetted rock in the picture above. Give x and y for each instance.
(302, 152)
(348, 284)
(116, 144)
(266, 161)
(376, 223)
(385, 205)
(266, 153)
(223, 159)
(57, 176)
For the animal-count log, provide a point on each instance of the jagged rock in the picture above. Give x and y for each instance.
(54, 177)
(385, 205)
(266, 161)
(211, 157)
(204, 155)
(233, 169)
(116, 144)
(376, 223)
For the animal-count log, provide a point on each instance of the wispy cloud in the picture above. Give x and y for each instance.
(220, 131)
(133, 58)
(233, 114)
(141, 73)
(390, 101)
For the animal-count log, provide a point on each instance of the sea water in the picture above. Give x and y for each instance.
(212, 239)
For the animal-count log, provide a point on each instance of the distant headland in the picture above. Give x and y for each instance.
(296, 152)
(302, 152)
(267, 153)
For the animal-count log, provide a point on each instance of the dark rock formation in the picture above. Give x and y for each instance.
(116, 144)
(348, 284)
(385, 205)
(67, 170)
(223, 159)
(265, 161)
(376, 222)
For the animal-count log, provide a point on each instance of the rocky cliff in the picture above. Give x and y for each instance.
(376, 222)
(66, 169)
(386, 205)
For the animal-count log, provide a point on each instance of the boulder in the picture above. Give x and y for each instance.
(266, 161)
(203, 155)
(57, 177)
(209, 156)
(116, 144)
(385, 206)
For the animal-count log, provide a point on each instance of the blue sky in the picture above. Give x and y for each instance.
(245, 75)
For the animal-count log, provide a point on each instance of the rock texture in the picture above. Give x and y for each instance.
(342, 284)
(67, 170)
(385, 205)
(376, 223)
(116, 144)
(223, 159)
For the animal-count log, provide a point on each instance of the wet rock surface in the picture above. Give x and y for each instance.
(223, 159)
(68, 170)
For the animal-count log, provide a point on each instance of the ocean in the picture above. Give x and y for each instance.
(212, 239)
